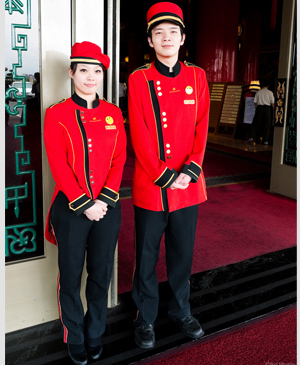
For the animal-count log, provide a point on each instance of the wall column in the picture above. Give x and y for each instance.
(284, 177)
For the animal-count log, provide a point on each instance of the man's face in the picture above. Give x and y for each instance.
(166, 39)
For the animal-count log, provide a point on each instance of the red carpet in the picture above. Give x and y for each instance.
(236, 223)
(272, 341)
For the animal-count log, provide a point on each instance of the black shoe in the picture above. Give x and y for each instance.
(95, 352)
(190, 326)
(144, 336)
(78, 359)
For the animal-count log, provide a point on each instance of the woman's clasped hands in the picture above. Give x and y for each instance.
(97, 211)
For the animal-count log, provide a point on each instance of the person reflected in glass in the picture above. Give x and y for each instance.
(36, 86)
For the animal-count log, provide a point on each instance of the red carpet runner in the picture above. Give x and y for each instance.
(236, 223)
(269, 342)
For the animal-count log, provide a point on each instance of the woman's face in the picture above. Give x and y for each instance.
(87, 79)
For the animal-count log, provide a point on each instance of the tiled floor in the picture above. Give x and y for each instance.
(238, 143)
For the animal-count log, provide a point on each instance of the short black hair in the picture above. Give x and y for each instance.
(149, 34)
(264, 83)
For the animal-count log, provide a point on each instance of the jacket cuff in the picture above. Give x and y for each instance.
(193, 170)
(109, 196)
(167, 178)
(80, 204)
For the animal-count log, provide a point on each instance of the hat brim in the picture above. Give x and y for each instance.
(91, 61)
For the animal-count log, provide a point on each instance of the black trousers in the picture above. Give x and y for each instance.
(262, 123)
(77, 236)
(179, 228)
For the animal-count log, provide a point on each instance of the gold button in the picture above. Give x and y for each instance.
(164, 119)
(164, 114)
(92, 182)
(165, 125)
(157, 82)
(159, 88)
(168, 157)
(168, 151)
(89, 140)
(159, 94)
(90, 150)
(168, 145)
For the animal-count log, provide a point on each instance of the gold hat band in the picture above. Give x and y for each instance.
(165, 17)
(85, 60)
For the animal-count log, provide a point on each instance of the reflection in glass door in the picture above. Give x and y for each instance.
(24, 237)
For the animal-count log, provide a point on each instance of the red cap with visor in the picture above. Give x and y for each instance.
(88, 52)
(164, 11)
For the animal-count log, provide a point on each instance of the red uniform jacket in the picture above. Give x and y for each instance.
(86, 150)
(168, 119)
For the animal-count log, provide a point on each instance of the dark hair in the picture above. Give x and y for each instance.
(264, 83)
(73, 67)
(149, 34)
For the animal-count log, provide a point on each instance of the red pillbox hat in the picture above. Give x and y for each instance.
(164, 11)
(87, 52)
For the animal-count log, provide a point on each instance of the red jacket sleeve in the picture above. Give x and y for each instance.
(54, 137)
(193, 165)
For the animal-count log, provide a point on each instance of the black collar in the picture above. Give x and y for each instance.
(164, 70)
(83, 103)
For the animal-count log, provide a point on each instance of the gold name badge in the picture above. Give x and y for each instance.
(109, 120)
(189, 101)
(110, 127)
(189, 90)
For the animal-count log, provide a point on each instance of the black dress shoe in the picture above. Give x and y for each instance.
(144, 336)
(95, 352)
(78, 359)
(190, 326)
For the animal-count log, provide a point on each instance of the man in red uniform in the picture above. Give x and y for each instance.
(168, 114)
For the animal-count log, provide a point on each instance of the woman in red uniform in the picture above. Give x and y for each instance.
(86, 147)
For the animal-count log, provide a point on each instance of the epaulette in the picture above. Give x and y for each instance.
(189, 64)
(108, 102)
(59, 102)
(144, 67)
